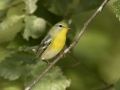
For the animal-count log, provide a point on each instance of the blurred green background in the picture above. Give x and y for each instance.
(98, 48)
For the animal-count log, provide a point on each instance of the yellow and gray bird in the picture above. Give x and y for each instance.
(53, 42)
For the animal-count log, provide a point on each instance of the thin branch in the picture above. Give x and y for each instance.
(71, 45)
(49, 23)
(73, 65)
(88, 69)
(107, 87)
(21, 2)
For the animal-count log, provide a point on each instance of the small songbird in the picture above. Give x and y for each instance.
(53, 42)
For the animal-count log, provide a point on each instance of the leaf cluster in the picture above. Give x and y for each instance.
(24, 23)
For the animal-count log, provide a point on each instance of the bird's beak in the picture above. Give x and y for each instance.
(68, 28)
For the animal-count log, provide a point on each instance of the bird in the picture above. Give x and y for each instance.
(53, 42)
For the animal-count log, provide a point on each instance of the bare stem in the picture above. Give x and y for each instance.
(12, 5)
(88, 69)
(71, 66)
(71, 45)
(107, 87)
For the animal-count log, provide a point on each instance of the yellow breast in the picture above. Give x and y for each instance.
(59, 41)
(56, 46)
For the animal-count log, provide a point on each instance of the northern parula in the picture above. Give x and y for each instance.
(53, 42)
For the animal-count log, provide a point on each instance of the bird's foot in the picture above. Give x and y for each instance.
(62, 53)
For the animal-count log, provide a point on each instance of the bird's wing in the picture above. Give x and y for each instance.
(43, 45)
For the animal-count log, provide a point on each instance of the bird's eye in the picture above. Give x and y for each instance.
(61, 26)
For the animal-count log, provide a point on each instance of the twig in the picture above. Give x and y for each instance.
(88, 69)
(71, 45)
(107, 87)
(12, 5)
(71, 66)
(49, 23)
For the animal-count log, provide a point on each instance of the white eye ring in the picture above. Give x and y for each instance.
(60, 26)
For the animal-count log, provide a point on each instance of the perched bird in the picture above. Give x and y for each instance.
(53, 42)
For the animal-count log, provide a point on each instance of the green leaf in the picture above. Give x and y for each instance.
(116, 7)
(117, 85)
(4, 53)
(58, 7)
(21, 44)
(34, 27)
(86, 5)
(61, 6)
(15, 66)
(3, 13)
(5, 3)
(10, 21)
(64, 7)
(18, 42)
(52, 80)
(30, 6)
(11, 85)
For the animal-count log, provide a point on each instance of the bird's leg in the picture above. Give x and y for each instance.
(46, 61)
(62, 53)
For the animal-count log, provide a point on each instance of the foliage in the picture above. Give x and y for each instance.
(116, 6)
(24, 23)
(117, 85)
(53, 80)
